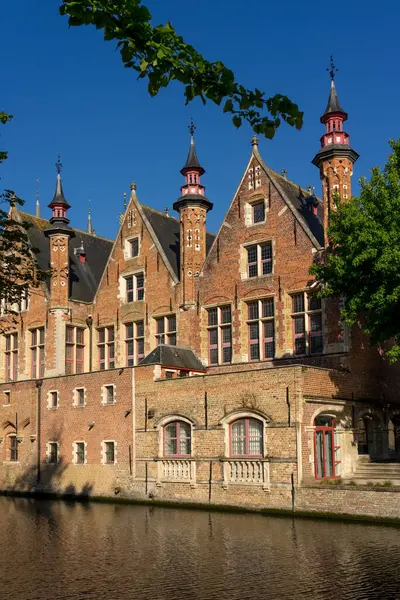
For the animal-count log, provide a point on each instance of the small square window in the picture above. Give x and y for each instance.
(53, 399)
(134, 247)
(7, 398)
(169, 374)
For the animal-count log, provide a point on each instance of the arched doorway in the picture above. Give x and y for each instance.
(370, 436)
(326, 450)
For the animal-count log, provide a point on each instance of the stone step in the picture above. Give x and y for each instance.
(367, 469)
(367, 480)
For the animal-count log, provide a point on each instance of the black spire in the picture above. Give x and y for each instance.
(192, 162)
(333, 105)
(59, 198)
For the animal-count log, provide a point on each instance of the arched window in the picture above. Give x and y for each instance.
(177, 439)
(246, 437)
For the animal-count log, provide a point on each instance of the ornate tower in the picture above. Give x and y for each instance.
(192, 207)
(335, 159)
(59, 235)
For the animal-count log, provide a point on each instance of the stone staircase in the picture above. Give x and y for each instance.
(375, 472)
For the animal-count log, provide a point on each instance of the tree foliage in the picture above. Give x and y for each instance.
(363, 265)
(160, 55)
(18, 268)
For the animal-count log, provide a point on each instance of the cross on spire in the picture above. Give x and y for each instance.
(332, 70)
(192, 127)
(58, 165)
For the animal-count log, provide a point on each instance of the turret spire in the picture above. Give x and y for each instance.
(59, 205)
(89, 223)
(37, 211)
(192, 162)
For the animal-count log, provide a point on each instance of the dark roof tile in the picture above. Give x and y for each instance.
(174, 357)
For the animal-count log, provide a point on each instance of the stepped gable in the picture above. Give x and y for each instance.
(174, 357)
(84, 277)
(167, 230)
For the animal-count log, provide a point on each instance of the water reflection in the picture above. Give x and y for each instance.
(56, 550)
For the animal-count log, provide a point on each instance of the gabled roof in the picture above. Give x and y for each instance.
(173, 356)
(296, 198)
(84, 278)
(167, 230)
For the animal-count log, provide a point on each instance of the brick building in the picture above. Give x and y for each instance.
(175, 364)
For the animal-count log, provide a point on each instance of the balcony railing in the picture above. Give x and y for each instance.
(246, 472)
(172, 469)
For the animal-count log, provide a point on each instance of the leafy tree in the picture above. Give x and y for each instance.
(18, 268)
(161, 55)
(363, 263)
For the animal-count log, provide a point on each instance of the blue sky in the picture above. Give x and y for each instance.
(70, 94)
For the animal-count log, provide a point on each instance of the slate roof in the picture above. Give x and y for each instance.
(84, 278)
(302, 202)
(192, 161)
(174, 357)
(167, 230)
(333, 105)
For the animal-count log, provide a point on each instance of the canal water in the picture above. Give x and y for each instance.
(65, 551)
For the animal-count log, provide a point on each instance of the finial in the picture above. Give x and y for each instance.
(192, 127)
(284, 173)
(58, 165)
(89, 223)
(37, 213)
(166, 210)
(311, 190)
(133, 186)
(254, 140)
(332, 68)
(124, 201)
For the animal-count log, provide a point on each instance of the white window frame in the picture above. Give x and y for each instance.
(49, 399)
(75, 397)
(104, 394)
(258, 244)
(104, 453)
(128, 247)
(75, 451)
(48, 452)
(135, 288)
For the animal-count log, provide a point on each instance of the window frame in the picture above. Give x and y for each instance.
(11, 356)
(7, 395)
(177, 421)
(260, 261)
(130, 246)
(219, 326)
(50, 444)
(76, 453)
(256, 203)
(73, 364)
(108, 362)
(247, 455)
(104, 458)
(164, 336)
(105, 394)
(131, 360)
(50, 398)
(133, 291)
(76, 397)
(13, 453)
(37, 348)
(307, 315)
(260, 320)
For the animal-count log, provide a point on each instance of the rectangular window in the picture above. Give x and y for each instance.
(74, 350)
(259, 259)
(53, 399)
(13, 447)
(11, 355)
(106, 348)
(261, 329)
(53, 453)
(80, 396)
(134, 343)
(109, 396)
(134, 247)
(6, 398)
(80, 453)
(258, 210)
(109, 452)
(37, 353)
(166, 330)
(219, 335)
(307, 324)
(134, 287)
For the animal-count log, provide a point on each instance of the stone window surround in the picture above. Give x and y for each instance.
(227, 421)
(103, 453)
(74, 452)
(48, 452)
(162, 423)
(49, 399)
(75, 397)
(248, 210)
(307, 291)
(245, 320)
(243, 258)
(127, 246)
(205, 310)
(104, 394)
(122, 287)
(13, 434)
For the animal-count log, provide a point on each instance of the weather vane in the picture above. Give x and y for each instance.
(58, 165)
(332, 69)
(192, 127)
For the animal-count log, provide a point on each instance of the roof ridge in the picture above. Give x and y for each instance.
(160, 212)
(296, 185)
(95, 235)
